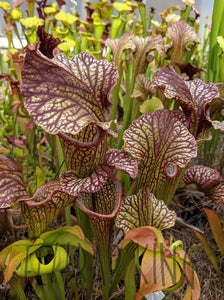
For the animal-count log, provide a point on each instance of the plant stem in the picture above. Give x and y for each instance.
(104, 252)
(185, 13)
(60, 284)
(130, 281)
(115, 98)
(30, 7)
(169, 187)
(73, 293)
(128, 106)
(86, 259)
(16, 288)
(60, 162)
(48, 288)
(102, 232)
(37, 288)
(142, 10)
(151, 15)
(127, 254)
(213, 62)
(221, 70)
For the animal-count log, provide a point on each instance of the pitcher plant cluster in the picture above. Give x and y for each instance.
(116, 107)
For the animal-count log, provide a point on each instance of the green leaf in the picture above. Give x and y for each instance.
(181, 34)
(192, 278)
(20, 256)
(151, 105)
(144, 209)
(220, 40)
(67, 236)
(216, 228)
(21, 245)
(44, 207)
(127, 254)
(157, 140)
(130, 280)
(17, 288)
(207, 248)
(65, 95)
(12, 188)
(40, 177)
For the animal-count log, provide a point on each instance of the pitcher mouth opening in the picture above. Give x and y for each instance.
(98, 137)
(100, 214)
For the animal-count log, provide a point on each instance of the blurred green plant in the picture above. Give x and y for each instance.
(215, 74)
(218, 234)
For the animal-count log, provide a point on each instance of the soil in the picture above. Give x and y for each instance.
(189, 205)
